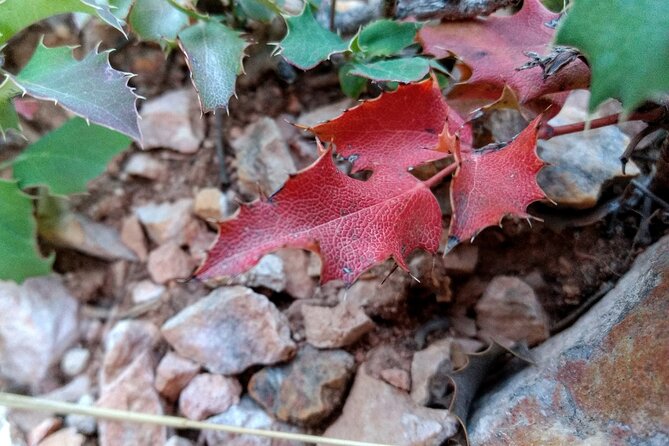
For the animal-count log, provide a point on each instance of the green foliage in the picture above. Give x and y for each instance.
(9, 120)
(352, 86)
(144, 20)
(20, 258)
(385, 38)
(90, 88)
(214, 53)
(66, 159)
(626, 43)
(307, 43)
(257, 10)
(16, 15)
(397, 70)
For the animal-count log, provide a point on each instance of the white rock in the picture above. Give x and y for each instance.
(145, 166)
(127, 340)
(146, 291)
(84, 424)
(169, 262)
(166, 221)
(268, 273)
(335, 327)
(212, 205)
(75, 361)
(207, 395)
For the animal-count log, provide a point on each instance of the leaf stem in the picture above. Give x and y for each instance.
(443, 173)
(547, 131)
(189, 12)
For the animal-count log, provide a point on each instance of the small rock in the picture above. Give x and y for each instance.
(178, 441)
(429, 269)
(145, 166)
(173, 121)
(211, 205)
(249, 415)
(5, 430)
(397, 377)
(325, 113)
(167, 221)
(383, 294)
(267, 273)
(173, 374)
(64, 437)
(462, 260)
(299, 283)
(580, 164)
(229, 330)
(428, 363)
(126, 341)
(378, 412)
(38, 323)
(132, 390)
(335, 327)
(146, 291)
(263, 158)
(604, 380)
(307, 390)
(84, 424)
(169, 262)
(510, 309)
(47, 427)
(133, 237)
(207, 395)
(75, 361)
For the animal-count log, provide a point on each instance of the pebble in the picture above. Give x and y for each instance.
(64, 437)
(169, 262)
(229, 330)
(299, 283)
(166, 221)
(268, 273)
(145, 166)
(435, 360)
(84, 424)
(325, 113)
(334, 327)
(212, 205)
(133, 237)
(207, 395)
(74, 361)
(173, 374)
(146, 291)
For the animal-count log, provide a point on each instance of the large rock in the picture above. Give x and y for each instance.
(603, 381)
(173, 121)
(580, 164)
(263, 158)
(378, 412)
(229, 330)
(308, 389)
(38, 323)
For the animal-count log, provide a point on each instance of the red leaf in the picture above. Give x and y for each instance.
(491, 184)
(396, 131)
(494, 47)
(352, 224)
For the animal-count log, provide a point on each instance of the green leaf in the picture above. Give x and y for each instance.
(398, 70)
(16, 15)
(66, 159)
(9, 120)
(20, 258)
(352, 86)
(256, 10)
(90, 88)
(120, 8)
(307, 43)
(156, 19)
(214, 55)
(626, 43)
(386, 37)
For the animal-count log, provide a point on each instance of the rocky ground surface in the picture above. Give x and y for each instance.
(121, 325)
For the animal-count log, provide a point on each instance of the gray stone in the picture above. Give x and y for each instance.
(426, 364)
(378, 412)
(308, 389)
(38, 323)
(75, 361)
(229, 330)
(84, 424)
(581, 164)
(605, 380)
(263, 158)
(268, 273)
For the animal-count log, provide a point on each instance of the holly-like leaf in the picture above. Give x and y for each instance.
(395, 70)
(352, 224)
(351, 86)
(16, 15)
(490, 184)
(307, 43)
(258, 10)
(156, 19)
(9, 119)
(90, 88)
(214, 55)
(18, 244)
(385, 37)
(626, 44)
(396, 131)
(495, 48)
(66, 159)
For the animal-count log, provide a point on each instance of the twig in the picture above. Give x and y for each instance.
(333, 12)
(651, 195)
(567, 321)
(59, 407)
(223, 176)
(449, 9)
(436, 178)
(389, 8)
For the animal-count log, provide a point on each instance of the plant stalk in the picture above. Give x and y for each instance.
(443, 173)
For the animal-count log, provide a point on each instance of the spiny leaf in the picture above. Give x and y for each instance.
(493, 183)
(9, 120)
(120, 8)
(16, 15)
(352, 224)
(214, 54)
(494, 48)
(90, 88)
(156, 19)
(307, 43)
(627, 45)
(396, 131)
(20, 258)
(351, 86)
(66, 159)
(386, 37)
(395, 70)
(257, 10)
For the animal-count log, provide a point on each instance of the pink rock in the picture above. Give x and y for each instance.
(145, 166)
(125, 342)
(208, 395)
(166, 221)
(397, 377)
(132, 236)
(64, 437)
(335, 327)
(169, 262)
(173, 374)
(299, 283)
